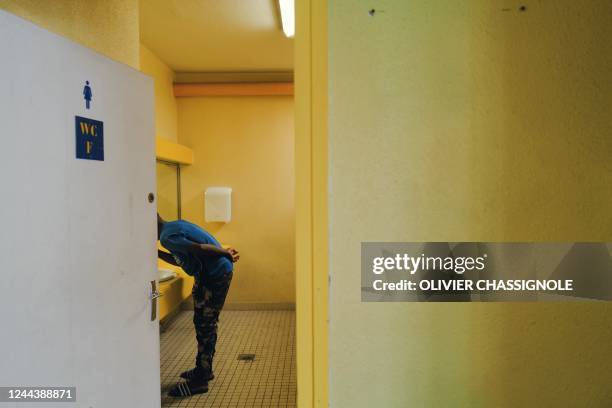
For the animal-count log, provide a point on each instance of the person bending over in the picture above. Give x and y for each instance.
(200, 255)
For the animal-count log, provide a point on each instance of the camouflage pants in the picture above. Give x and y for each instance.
(208, 300)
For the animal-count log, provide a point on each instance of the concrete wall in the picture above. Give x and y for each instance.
(460, 121)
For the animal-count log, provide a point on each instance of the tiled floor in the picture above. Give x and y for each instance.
(268, 381)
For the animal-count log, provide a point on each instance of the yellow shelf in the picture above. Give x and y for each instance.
(173, 152)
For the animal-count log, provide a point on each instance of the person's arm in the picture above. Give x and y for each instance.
(214, 251)
(181, 243)
(166, 257)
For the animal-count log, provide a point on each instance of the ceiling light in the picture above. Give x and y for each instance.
(287, 12)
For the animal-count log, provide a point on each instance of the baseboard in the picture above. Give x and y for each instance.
(188, 305)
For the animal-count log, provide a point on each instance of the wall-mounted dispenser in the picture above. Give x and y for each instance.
(218, 204)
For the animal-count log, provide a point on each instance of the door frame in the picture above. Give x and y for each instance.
(311, 193)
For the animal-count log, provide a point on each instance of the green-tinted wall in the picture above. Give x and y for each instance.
(461, 121)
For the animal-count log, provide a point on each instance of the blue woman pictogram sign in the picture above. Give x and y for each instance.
(87, 94)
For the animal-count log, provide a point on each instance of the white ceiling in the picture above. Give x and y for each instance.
(216, 35)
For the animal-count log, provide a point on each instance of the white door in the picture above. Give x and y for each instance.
(77, 236)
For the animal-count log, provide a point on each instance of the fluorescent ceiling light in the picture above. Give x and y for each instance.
(287, 12)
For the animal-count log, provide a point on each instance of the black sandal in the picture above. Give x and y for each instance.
(189, 388)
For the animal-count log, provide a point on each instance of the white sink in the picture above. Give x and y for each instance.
(166, 274)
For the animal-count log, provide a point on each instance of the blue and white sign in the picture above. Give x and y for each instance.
(89, 138)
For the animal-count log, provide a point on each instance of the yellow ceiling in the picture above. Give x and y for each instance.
(216, 35)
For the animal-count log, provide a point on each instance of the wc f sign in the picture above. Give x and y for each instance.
(89, 138)
(89, 132)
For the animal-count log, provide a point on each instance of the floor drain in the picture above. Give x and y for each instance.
(246, 357)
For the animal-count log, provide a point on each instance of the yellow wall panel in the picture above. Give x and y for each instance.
(165, 103)
(245, 143)
(110, 27)
(167, 190)
(468, 121)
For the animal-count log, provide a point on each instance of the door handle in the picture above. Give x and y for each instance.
(153, 296)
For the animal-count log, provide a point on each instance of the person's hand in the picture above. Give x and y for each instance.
(234, 254)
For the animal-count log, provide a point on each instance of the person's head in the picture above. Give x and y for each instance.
(160, 225)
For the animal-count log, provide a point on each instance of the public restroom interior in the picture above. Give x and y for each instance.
(222, 73)
(224, 118)
(484, 121)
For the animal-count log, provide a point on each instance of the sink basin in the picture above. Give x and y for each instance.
(166, 275)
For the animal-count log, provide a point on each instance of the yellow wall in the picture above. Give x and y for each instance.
(110, 27)
(167, 190)
(165, 103)
(245, 143)
(457, 121)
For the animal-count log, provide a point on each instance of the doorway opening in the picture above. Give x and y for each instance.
(224, 96)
